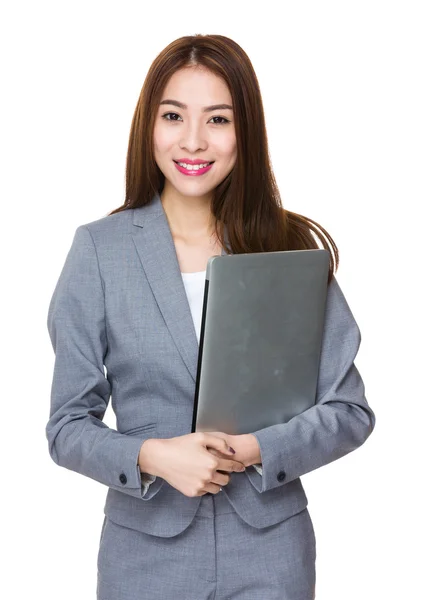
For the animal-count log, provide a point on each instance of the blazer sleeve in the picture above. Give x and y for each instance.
(146, 482)
(340, 420)
(77, 437)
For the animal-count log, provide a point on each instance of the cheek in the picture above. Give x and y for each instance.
(161, 139)
(225, 148)
(232, 153)
(230, 146)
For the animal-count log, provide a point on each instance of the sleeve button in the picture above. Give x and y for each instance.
(281, 476)
(123, 479)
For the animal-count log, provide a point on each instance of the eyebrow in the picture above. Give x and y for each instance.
(206, 109)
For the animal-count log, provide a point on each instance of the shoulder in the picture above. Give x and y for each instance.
(107, 229)
(109, 223)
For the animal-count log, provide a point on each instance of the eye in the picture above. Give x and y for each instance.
(224, 121)
(170, 113)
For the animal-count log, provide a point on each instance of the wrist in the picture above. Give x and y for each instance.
(252, 451)
(147, 456)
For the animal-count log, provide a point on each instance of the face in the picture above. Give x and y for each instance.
(189, 128)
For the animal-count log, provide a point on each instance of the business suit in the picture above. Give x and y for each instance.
(120, 302)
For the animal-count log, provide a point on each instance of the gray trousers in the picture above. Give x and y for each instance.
(218, 556)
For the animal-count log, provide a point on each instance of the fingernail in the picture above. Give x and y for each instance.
(232, 450)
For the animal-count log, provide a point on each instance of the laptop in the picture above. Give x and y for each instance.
(260, 340)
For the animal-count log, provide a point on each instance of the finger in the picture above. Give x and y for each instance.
(217, 443)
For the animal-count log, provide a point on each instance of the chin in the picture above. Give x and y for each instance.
(194, 193)
(193, 188)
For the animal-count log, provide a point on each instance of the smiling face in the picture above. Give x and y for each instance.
(194, 124)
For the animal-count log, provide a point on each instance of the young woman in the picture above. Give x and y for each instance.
(191, 515)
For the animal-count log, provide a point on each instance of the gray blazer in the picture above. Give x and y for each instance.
(120, 303)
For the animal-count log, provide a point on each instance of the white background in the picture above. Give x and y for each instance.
(344, 86)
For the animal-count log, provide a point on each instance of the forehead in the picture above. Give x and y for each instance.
(196, 86)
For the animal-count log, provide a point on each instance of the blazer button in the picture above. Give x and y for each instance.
(123, 478)
(281, 476)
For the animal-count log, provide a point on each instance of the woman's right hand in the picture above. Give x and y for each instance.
(186, 463)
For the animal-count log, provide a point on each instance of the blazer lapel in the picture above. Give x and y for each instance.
(155, 246)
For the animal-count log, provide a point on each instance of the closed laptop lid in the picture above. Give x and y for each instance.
(260, 339)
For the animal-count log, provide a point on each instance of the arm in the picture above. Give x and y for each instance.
(341, 419)
(77, 437)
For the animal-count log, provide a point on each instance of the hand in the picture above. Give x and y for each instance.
(246, 446)
(186, 463)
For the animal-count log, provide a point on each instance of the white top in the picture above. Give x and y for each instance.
(194, 284)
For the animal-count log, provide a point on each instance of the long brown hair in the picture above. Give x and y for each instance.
(247, 201)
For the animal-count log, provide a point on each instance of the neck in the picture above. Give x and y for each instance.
(188, 216)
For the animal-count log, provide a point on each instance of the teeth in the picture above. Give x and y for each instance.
(193, 167)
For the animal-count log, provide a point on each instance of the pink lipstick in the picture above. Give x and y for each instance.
(192, 172)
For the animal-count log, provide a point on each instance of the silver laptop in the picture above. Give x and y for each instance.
(260, 340)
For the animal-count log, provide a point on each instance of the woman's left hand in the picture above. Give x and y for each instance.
(246, 446)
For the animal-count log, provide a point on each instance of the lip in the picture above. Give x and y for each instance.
(192, 173)
(195, 161)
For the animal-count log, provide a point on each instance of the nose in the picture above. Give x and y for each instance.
(193, 138)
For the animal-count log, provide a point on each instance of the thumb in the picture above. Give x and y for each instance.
(218, 443)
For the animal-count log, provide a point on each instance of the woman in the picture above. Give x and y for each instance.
(129, 298)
